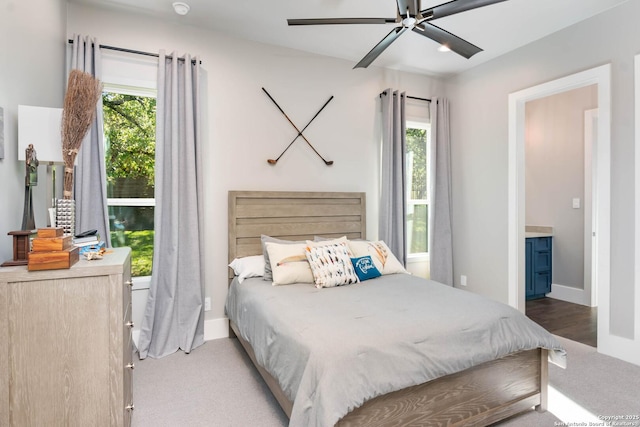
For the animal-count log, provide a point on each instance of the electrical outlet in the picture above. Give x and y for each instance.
(463, 280)
(207, 304)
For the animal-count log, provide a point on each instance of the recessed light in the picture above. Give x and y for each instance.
(444, 48)
(181, 8)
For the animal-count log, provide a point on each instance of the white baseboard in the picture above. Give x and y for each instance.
(216, 328)
(622, 348)
(569, 294)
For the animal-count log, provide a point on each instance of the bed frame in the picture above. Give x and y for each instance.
(478, 396)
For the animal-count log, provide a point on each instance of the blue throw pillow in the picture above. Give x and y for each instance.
(365, 268)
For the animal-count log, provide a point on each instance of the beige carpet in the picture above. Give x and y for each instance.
(216, 385)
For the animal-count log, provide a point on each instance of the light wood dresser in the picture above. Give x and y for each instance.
(66, 355)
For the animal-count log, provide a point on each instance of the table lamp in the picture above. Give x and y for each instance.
(40, 127)
(39, 140)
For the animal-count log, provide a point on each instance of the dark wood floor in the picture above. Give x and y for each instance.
(573, 321)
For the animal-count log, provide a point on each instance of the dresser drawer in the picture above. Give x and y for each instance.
(128, 382)
(542, 282)
(127, 314)
(126, 293)
(127, 339)
(542, 243)
(541, 261)
(128, 357)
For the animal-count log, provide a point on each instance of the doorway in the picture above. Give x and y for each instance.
(558, 197)
(599, 76)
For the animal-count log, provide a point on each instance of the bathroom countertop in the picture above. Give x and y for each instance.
(533, 234)
(532, 231)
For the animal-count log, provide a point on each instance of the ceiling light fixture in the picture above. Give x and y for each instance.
(444, 48)
(181, 8)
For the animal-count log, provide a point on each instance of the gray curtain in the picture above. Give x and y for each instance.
(392, 224)
(90, 180)
(174, 316)
(440, 238)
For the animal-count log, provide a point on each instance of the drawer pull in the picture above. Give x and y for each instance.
(129, 282)
(129, 324)
(131, 365)
(129, 407)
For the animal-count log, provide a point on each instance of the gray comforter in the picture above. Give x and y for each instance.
(332, 349)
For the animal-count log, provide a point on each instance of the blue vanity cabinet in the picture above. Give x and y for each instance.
(528, 268)
(538, 251)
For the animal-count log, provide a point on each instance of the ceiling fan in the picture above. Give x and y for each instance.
(411, 16)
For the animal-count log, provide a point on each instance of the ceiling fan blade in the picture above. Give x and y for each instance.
(402, 7)
(337, 21)
(380, 47)
(453, 42)
(412, 5)
(455, 6)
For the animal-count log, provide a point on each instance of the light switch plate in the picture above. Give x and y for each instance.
(576, 203)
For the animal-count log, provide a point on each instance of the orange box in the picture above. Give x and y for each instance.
(48, 244)
(50, 232)
(53, 260)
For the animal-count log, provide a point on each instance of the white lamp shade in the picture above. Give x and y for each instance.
(41, 127)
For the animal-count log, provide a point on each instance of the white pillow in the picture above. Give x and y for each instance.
(331, 265)
(289, 263)
(384, 260)
(267, 267)
(249, 266)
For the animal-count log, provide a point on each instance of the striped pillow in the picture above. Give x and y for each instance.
(331, 265)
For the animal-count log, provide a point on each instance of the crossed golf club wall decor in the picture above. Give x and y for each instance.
(274, 161)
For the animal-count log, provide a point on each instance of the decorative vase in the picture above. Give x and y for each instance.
(66, 215)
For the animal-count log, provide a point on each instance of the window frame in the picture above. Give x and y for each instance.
(124, 71)
(138, 201)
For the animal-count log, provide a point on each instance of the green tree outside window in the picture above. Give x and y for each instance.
(129, 130)
(417, 213)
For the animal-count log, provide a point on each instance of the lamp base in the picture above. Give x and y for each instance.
(21, 248)
(28, 221)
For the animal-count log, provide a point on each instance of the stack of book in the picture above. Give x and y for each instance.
(88, 242)
(52, 250)
(93, 239)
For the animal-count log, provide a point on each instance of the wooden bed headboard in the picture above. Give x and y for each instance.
(292, 215)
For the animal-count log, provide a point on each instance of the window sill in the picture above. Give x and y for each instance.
(412, 259)
(142, 282)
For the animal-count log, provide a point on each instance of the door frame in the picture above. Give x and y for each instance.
(601, 185)
(590, 146)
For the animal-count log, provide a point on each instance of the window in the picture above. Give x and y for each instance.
(129, 131)
(418, 138)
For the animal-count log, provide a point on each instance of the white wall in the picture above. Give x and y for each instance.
(243, 128)
(31, 73)
(554, 176)
(480, 144)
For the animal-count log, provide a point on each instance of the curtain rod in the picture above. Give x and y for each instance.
(410, 97)
(137, 52)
